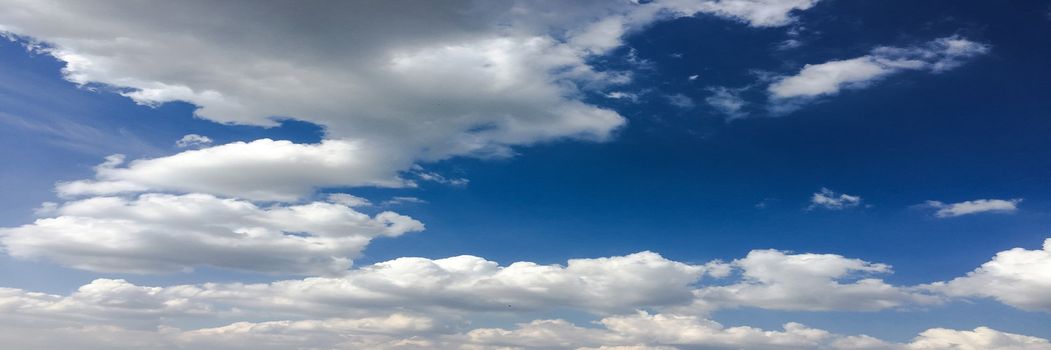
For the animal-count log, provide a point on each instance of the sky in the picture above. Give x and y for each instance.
(676, 174)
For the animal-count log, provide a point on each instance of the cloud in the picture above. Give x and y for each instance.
(829, 78)
(156, 233)
(647, 331)
(193, 140)
(973, 207)
(1016, 277)
(431, 176)
(772, 279)
(767, 279)
(727, 101)
(443, 80)
(348, 200)
(828, 199)
(425, 303)
(680, 101)
(638, 331)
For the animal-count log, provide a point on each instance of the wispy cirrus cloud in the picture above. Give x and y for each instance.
(950, 210)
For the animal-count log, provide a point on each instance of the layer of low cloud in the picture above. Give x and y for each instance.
(158, 233)
(949, 210)
(766, 279)
(638, 331)
(440, 80)
(425, 303)
(265, 170)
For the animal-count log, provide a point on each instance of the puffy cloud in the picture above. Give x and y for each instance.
(424, 303)
(1018, 277)
(646, 331)
(193, 140)
(828, 199)
(973, 207)
(164, 233)
(982, 338)
(259, 170)
(640, 331)
(829, 78)
(772, 279)
(439, 80)
(768, 279)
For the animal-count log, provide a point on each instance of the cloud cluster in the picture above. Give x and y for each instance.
(1018, 277)
(424, 303)
(767, 279)
(443, 79)
(261, 170)
(155, 233)
(772, 279)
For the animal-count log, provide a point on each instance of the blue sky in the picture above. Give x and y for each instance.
(853, 166)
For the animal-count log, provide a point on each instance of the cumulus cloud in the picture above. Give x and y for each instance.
(828, 199)
(165, 233)
(772, 279)
(639, 331)
(973, 207)
(193, 140)
(646, 331)
(767, 279)
(442, 80)
(978, 339)
(425, 303)
(264, 169)
(829, 78)
(1018, 277)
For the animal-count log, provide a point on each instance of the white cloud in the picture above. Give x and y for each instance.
(431, 176)
(639, 331)
(680, 100)
(193, 140)
(1016, 277)
(973, 207)
(981, 338)
(621, 95)
(828, 78)
(828, 199)
(164, 233)
(759, 13)
(403, 200)
(441, 80)
(727, 101)
(772, 279)
(424, 303)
